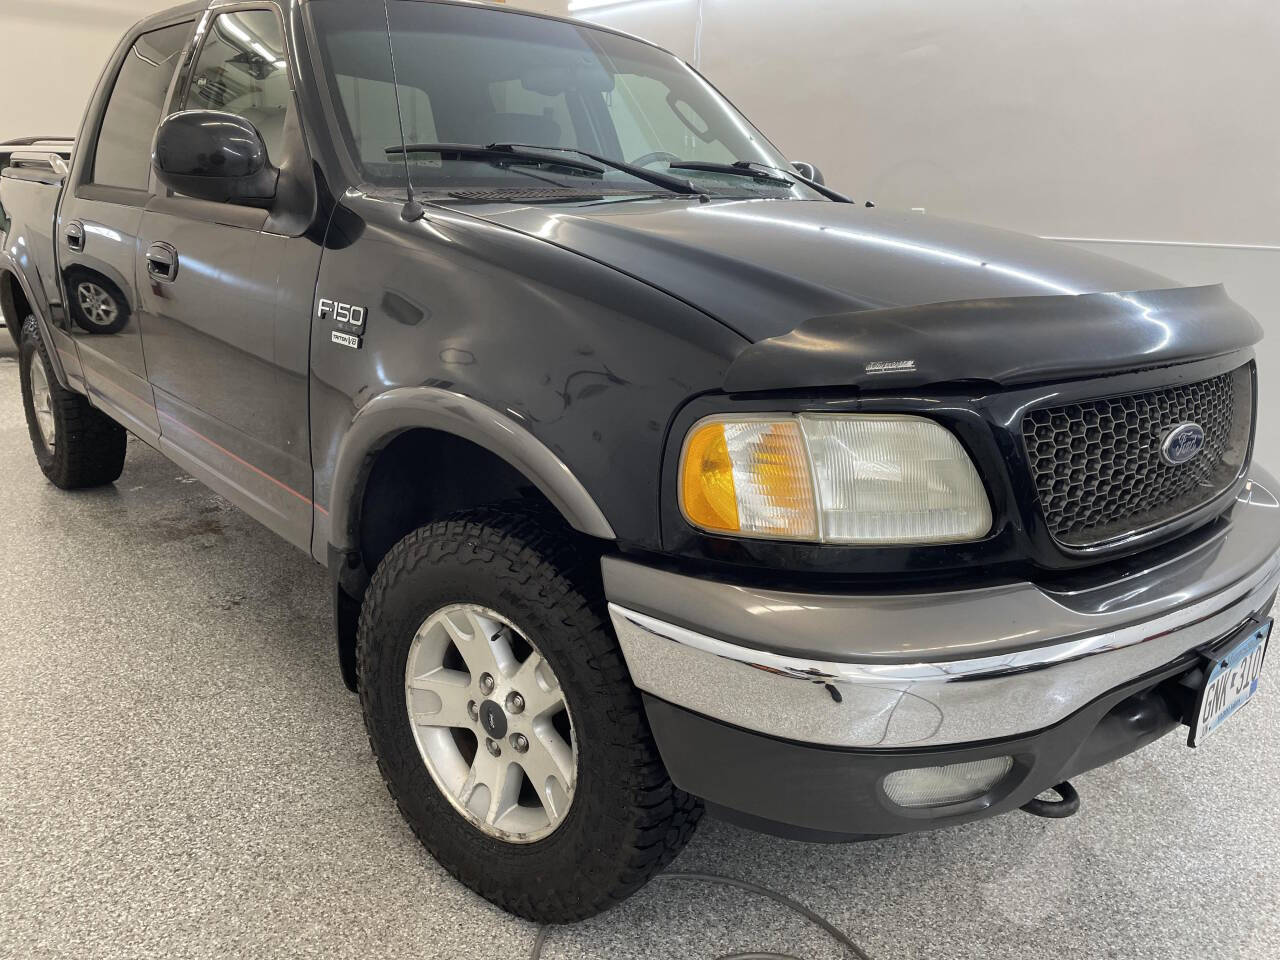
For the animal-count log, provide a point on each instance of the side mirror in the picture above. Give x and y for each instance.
(215, 156)
(809, 172)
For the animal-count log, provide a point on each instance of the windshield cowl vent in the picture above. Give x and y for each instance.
(543, 195)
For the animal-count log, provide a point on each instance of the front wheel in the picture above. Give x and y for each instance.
(75, 445)
(504, 721)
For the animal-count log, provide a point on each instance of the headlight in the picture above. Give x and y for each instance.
(834, 478)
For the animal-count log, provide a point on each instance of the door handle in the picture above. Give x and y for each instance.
(162, 262)
(75, 236)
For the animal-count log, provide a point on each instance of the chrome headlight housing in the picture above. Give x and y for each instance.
(831, 478)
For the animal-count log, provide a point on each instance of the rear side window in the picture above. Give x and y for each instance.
(123, 155)
(242, 70)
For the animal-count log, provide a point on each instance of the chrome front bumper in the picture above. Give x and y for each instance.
(924, 670)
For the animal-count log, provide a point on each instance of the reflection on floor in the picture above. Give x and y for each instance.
(183, 774)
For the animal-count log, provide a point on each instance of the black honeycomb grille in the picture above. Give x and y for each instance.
(1097, 466)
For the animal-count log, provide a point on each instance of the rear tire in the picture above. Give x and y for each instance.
(75, 445)
(624, 819)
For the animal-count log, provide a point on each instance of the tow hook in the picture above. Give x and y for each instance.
(1067, 806)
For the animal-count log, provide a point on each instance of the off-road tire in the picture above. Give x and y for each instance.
(627, 820)
(89, 447)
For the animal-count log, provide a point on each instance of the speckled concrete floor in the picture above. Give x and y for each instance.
(183, 775)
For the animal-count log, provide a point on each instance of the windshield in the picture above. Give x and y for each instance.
(476, 77)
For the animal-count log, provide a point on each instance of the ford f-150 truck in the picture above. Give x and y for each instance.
(651, 472)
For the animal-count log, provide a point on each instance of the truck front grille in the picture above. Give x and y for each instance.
(1097, 466)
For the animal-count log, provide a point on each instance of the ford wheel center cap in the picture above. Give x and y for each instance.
(493, 719)
(1182, 443)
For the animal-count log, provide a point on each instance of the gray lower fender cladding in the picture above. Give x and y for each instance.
(408, 408)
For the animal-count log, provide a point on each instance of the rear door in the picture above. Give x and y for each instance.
(98, 225)
(227, 291)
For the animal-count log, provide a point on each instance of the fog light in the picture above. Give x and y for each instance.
(938, 786)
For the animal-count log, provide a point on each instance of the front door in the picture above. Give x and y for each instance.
(98, 229)
(226, 296)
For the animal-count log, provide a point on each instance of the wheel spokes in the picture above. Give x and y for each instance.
(482, 642)
(538, 686)
(548, 764)
(439, 698)
(42, 402)
(464, 672)
(491, 790)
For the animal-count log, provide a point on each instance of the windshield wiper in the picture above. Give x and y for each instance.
(497, 151)
(675, 184)
(826, 191)
(741, 168)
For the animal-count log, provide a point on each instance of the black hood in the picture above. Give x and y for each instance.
(834, 294)
(764, 266)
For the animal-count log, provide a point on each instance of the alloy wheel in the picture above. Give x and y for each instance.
(491, 723)
(42, 402)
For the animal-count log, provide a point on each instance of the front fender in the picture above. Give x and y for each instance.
(568, 370)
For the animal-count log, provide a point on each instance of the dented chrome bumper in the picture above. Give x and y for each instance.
(923, 670)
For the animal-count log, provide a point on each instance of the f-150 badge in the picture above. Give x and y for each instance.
(349, 320)
(342, 312)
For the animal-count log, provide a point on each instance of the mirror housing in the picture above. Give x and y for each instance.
(211, 155)
(809, 172)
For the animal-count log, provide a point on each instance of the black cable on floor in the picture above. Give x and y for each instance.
(795, 906)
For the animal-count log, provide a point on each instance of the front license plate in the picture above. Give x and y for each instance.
(1232, 681)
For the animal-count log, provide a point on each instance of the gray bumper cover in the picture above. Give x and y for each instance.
(896, 670)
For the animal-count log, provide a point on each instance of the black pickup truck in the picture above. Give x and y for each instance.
(651, 472)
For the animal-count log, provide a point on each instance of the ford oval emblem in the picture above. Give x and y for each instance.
(1182, 443)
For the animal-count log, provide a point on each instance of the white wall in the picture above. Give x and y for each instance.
(1148, 124)
(53, 53)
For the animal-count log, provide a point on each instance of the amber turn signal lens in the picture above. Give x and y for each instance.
(749, 477)
(707, 491)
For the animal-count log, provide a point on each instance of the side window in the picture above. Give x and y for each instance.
(242, 70)
(122, 157)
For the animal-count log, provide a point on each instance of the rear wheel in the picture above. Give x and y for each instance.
(75, 445)
(504, 721)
